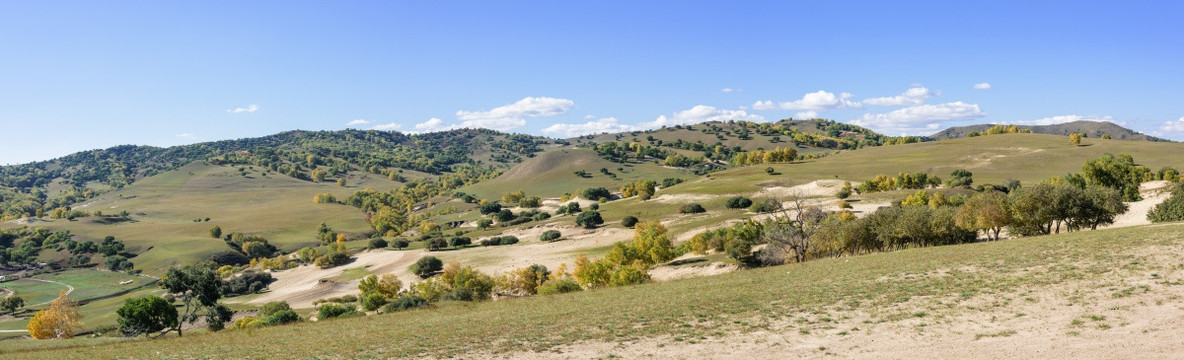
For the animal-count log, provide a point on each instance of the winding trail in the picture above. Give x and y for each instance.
(69, 289)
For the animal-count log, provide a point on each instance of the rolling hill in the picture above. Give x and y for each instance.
(1092, 129)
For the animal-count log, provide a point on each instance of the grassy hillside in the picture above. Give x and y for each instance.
(817, 298)
(992, 159)
(163, 208)
(552, 173)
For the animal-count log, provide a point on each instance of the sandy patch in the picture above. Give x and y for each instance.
(303, 285)
(665, 273)
(1153, 193)
(530, 250)
(682, 198)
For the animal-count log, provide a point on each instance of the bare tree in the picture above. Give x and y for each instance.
(788, 235)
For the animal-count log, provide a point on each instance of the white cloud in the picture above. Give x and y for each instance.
(1174, 126)
(1061, 119)
(728, 90)
(602, 125)
(701, 113)
(512, 116)
(805, 115)
(186, 135)
(249, 109)
(913, 96)
(920, 118)
(815, 101)
(589, 116)
(357, 122)
(982, 86)
(387, 127)
(433, 124)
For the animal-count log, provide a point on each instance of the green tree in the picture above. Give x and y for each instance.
(589, 219)
(629, 221)
(147, 315)
(986, 211)
(198, 288)
(427, 266)
(11, 304)
(216, 232)
(1116, 172)
(960, 178)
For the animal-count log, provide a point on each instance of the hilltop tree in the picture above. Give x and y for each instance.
(56, 322)
(147, 315)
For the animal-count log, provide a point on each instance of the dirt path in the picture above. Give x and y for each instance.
(1153, 193)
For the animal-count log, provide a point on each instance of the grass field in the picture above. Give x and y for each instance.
(993, 159)
(937, 283)
(552, 173)
(163, 209)
(88, 285)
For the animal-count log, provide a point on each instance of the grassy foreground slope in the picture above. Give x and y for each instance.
(801, 302)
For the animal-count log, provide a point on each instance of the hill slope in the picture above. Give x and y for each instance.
(1092, 129)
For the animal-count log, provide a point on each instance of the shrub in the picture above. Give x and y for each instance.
(484, 223)
(490, 208)
(550, 235)
(373, 301)
(843, 204)
(770, 170)
(668, 182)
(377, 243)
(272, 308)
(629, 221)
(1171, 209)
(541, 216)
(329, 311)
(400, 244)
(559, 286)
(589, 219)
(691, 209)
(405, 303)
(505, 215)
(332, 259)
(594, 206)
(248, 282)
(739, 202)
(426, 267)
(766, 205)
(457, 241)
(281, 317)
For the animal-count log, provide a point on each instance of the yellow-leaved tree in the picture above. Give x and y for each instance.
(56, 322)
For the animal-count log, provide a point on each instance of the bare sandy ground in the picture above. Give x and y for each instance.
(1153, 192)
(303, 285)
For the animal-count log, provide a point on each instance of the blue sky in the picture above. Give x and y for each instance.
(85, 75)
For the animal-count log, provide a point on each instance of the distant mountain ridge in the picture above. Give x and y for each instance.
(1092, 129)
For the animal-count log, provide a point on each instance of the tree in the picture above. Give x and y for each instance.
(629, 221)
(490, 208)
(377, 243)
(11, 304)
(596, 193)
(770, 170)
(589, 219)
(1075, 138)
(56, 322)
(651, 243)
(986, 211)
(216, 232)
(484, 224)
(386, 285)
(318, 175)
(1116, 172)
(146, 315)
(117, 263)
(426, 267)
(1171, 209)
(505, 215)
(199, 289)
